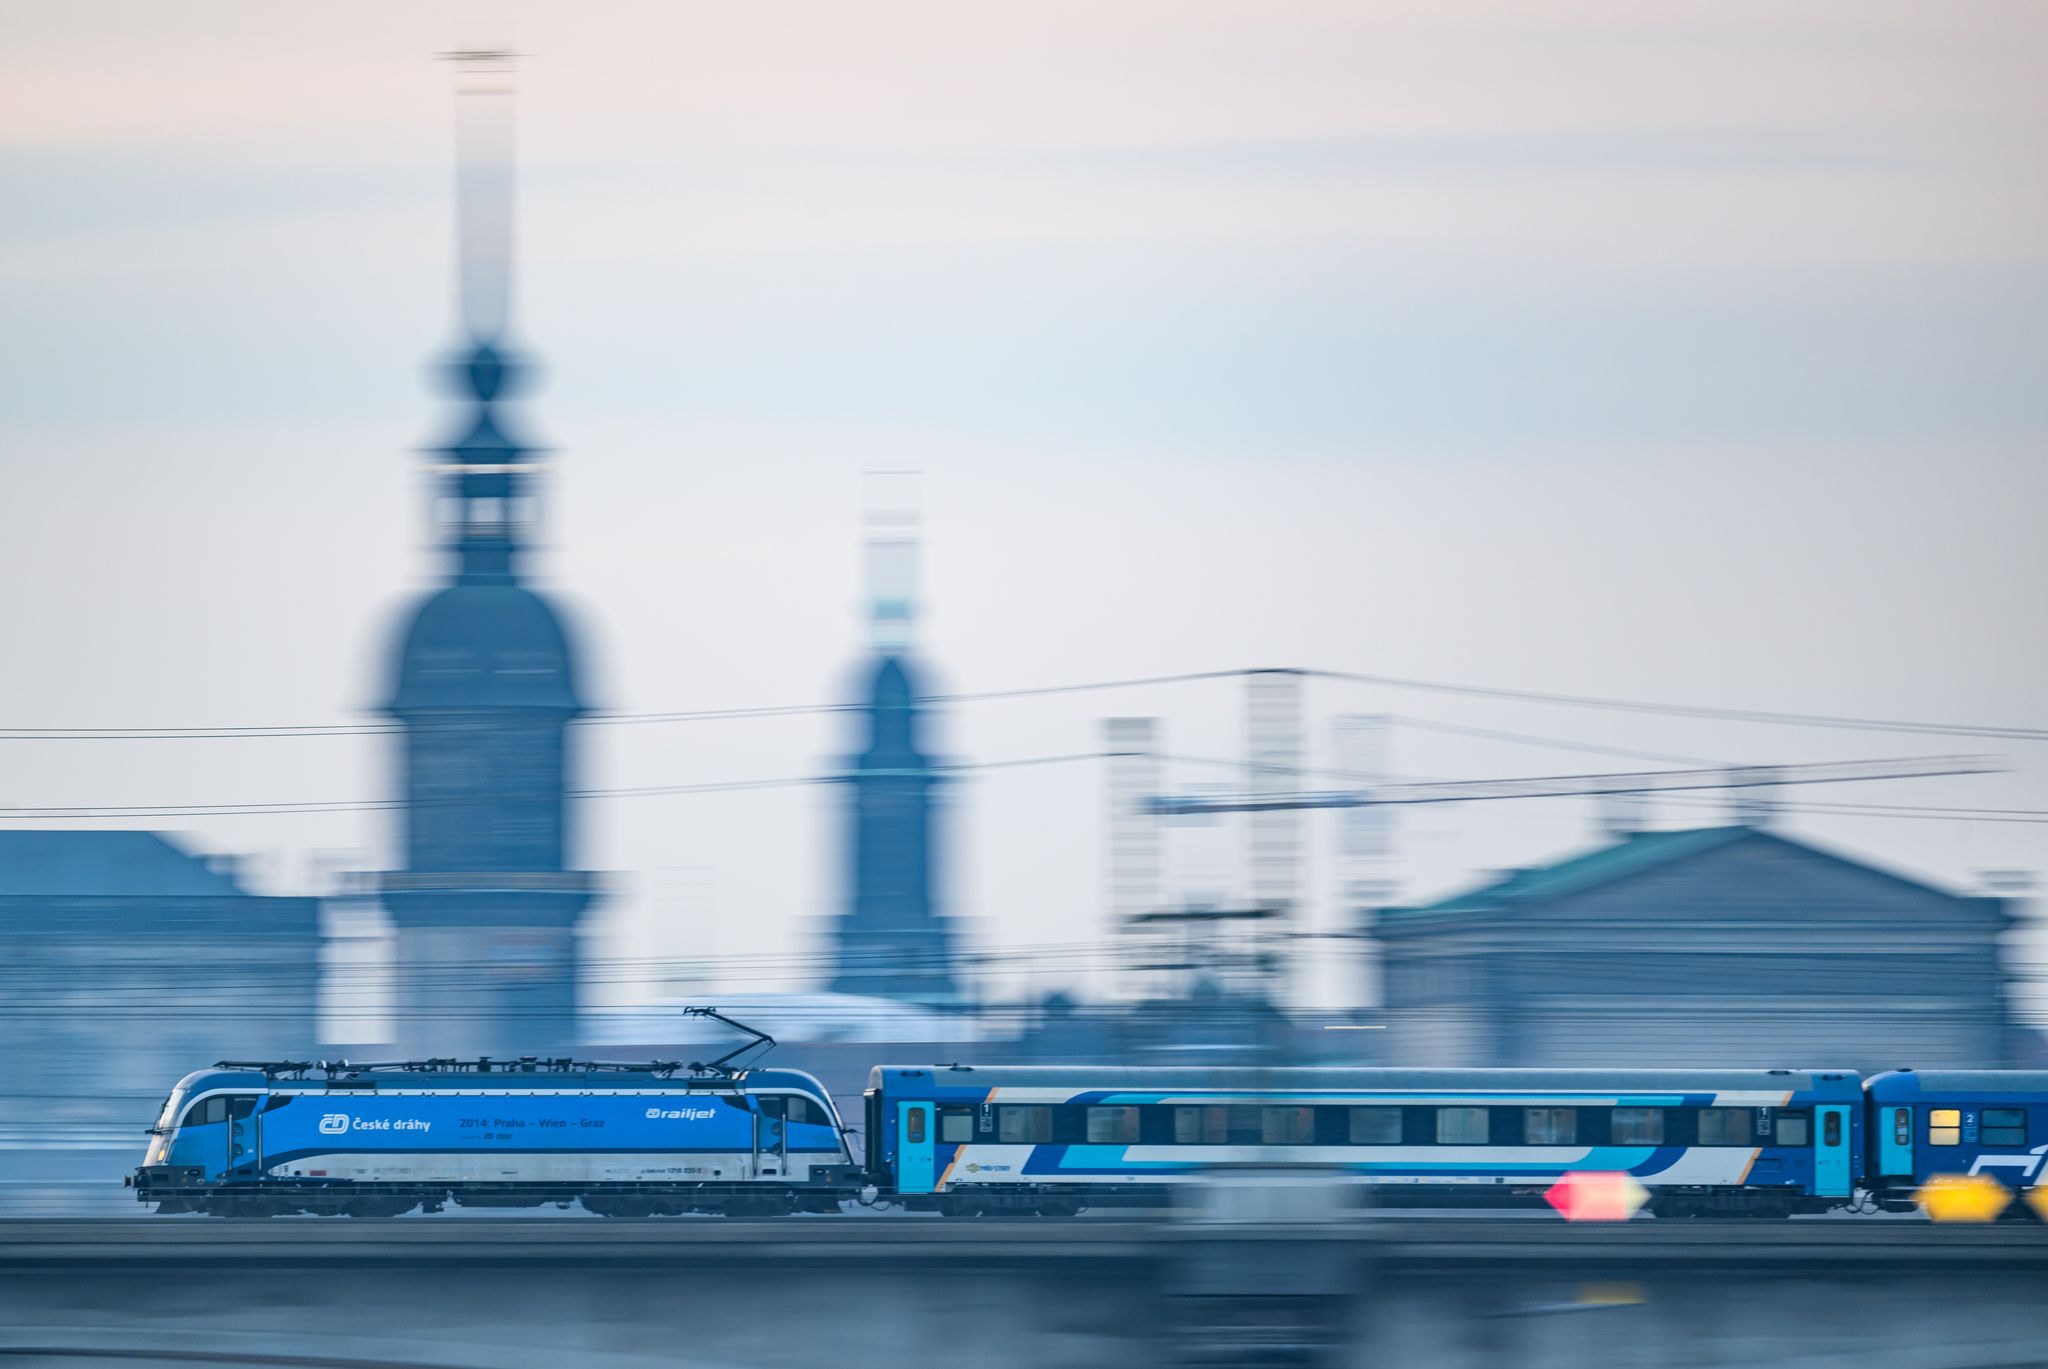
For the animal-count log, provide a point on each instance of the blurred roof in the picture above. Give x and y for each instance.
(485, 646)
(106, 865)
(1633, 854)
(1637, 851)
(1897, 1083)
(1299, 1079)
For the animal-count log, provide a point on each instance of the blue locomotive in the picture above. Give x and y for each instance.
(379, 1140)
(966, 1139)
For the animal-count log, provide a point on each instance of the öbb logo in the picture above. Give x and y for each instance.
(333, 1124)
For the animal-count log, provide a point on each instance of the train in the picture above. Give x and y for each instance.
(249, 1139)
(965, 1140)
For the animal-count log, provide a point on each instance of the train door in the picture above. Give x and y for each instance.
(1831, 1151)
(1894, 1141)
(771, 1148)
(245, 1150)
(916, 1148)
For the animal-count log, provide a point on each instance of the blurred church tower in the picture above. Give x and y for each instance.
(892, 940)
(485, 911)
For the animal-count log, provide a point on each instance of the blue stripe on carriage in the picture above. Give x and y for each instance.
(1625, 1100)
(1099, 1159)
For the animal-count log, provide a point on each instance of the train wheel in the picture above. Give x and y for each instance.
(379, 1208)
(619, 1207)
(242, 1207)
(760, 1205)
(2022, 1212)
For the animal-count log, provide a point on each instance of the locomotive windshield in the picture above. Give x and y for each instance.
(168, 1118)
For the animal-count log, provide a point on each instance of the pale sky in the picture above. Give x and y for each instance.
(1684, 353)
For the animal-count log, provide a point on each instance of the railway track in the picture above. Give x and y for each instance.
(1404, 1241)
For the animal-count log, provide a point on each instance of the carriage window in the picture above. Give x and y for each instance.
(1018, 1125)
(1724, 1126)
(1794, 1129)
(1287, 1126)
(1831, 1129)
(1550, 1126)
(214, 1109)
(1902, 1126)
(1375, 1126)
(1200, 1126)
(1112, 1126)
(913, 1126)
(1639, 1126)
(1945, 1127)
(1461, 1126)
(956, 1125)
(1242, 1124)
(2004, 1127)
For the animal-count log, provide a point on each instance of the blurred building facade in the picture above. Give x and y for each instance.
(1722, 946)
(126, 962)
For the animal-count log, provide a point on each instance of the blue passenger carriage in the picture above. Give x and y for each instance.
(1052, 1139)
(1925, 1123)
(378, 1140)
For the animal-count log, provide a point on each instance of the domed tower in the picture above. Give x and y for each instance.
(892, 940)
(485, 910)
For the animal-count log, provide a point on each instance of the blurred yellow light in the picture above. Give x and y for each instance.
(1609, 1295)
(1963, 1198)
(2037, 1199)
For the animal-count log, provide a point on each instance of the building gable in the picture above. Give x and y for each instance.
(1723, 873)
(106, 865)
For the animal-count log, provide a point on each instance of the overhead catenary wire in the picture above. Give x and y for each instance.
(1705, 711)
(1737, 777)
(1722, 713)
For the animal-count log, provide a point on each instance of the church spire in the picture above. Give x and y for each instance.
(891, 559)
(892, 939)
(486, 469)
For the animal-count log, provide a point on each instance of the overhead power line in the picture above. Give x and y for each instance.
(1773, 717)
(1745, 715)
(1573, 786)
(1377, 790)
(589, 720)
(215, 810)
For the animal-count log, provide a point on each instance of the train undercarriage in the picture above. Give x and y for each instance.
(172, 1194)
